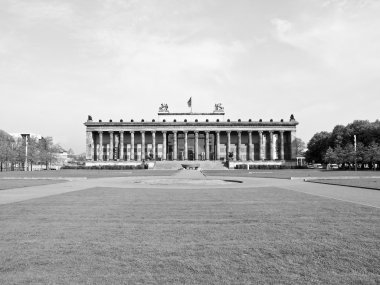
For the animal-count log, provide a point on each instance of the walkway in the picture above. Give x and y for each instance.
(347, 194)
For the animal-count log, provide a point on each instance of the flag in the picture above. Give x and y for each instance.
(189, 102)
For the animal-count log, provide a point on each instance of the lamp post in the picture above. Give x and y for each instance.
(26, 136)
(356, 168)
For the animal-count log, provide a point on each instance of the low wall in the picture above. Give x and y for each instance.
(261, 163)
(119, 163)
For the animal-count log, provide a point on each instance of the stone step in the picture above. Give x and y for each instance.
(189, 174)
(207, 165)
(170, 165)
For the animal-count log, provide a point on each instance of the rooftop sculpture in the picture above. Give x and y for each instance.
(163, 108)
(219, 107)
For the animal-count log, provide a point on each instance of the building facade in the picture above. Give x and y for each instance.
(190, 136)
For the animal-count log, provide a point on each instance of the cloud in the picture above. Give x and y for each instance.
(41, 10)
(282, 27)
(152, 56)
(343, 39)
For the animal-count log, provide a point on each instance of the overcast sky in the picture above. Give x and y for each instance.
(63, 60)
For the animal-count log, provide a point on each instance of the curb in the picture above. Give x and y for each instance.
(352, 186)
(332, 177)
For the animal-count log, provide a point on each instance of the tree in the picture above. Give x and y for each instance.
(372, 154)
(317, 147)
(337, 137)
(301, 147)
(348, 155)
(330, 156)
(47, 151)
(6, 153)
(341, 140)
(364, 131)
(33, 151)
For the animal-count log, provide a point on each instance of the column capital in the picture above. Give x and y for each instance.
(100, 132)
(121, 132)
(164, 132)
(174, 132)
(111, 132)
(196, 132)
(271, 132)
(218, 132)
(228, 132)
(239, 133)
(142, 132)
(207, 132)
(281, 131)
(260, 132)
(249, 132)
(153, 132)
(132, 132)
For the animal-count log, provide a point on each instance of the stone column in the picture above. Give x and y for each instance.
(261, 145)
(100, 155)
(196, 146)
(217, 145)
(154, 145)
(250, 154)
(110, 157)
(132, 145)
(164, 146)
(207, 145)
(239, 146)
(271, 152)
(142, 145)
(175, 155)
(228, 144)
(93, 148)
(121, 148)
(293, 146)
(186, 151)
(89, 146)
(282, 145)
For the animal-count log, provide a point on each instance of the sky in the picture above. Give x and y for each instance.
(61, 61)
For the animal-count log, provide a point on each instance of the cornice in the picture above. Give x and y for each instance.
(189, 124)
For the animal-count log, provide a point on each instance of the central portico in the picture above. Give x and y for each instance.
(191, 136)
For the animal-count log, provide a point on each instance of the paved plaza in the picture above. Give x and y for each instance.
(186, 227)
(185, 179)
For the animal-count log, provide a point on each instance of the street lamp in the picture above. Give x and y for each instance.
(356, 168)
(26, 136)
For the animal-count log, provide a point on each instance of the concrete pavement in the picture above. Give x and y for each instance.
(345, 194)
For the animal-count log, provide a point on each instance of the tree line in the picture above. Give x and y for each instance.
(338, 146)
(12, 152)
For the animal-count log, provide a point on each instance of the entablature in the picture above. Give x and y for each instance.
(106, 128)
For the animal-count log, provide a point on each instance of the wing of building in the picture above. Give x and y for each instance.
(191, 136)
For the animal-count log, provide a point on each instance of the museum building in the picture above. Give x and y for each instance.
(190, 136)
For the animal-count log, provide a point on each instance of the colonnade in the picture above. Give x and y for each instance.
(95, 144)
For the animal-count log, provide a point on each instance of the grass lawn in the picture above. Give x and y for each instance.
(198, 236)
(19, 183)
(288, 173)
(86, 173)
(372, 183)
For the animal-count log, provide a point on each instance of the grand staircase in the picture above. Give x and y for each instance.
(204, 165)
